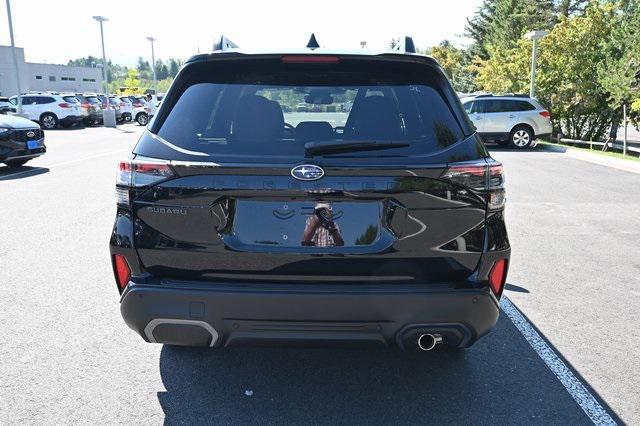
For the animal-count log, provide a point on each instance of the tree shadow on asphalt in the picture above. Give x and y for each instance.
(500, 379)
(22, 172)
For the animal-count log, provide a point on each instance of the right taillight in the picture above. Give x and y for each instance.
(545, 114)
(484, 178)
(498, 276)
(133, 174)
(122, 270)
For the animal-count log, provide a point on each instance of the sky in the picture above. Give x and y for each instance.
(55, 31)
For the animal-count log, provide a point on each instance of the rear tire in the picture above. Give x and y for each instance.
(142, 119)
(521, 137)
(15, 163)
(48, 121)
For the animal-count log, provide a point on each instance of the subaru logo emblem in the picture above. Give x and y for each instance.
(31, 134)
(307, 172)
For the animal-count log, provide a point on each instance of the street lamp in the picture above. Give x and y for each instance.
(108, 115)
(534, 36)
(15, 57)
(153, 68)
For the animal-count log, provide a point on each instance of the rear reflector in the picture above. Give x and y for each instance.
(497, 276)
(307, 59)
(122, 270)
(545, 114)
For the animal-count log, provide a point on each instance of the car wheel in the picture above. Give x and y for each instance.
(128, 117)
(142, 119)
(16, 163)
(48, 121)
(521, 137)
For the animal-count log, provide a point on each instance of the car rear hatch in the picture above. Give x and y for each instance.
(235, 183)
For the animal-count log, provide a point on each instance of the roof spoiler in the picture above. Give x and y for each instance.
(224, 44)
(406, 45)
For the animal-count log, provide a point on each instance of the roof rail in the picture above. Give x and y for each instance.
(224, 44)
(406, 46)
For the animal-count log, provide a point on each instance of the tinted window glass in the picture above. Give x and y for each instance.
(276, 118)
(496, 105)
(45, 100)
(93, 100)
(468, 107)
(521, 106)
(71, 99)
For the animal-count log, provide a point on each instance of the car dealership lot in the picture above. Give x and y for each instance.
(67, 357)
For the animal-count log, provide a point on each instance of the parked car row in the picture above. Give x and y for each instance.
(53, 109)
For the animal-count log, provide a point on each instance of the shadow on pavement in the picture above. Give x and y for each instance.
(501, 379)
(516, 288)
(22, 172)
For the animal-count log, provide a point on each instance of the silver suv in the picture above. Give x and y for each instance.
(515, 120)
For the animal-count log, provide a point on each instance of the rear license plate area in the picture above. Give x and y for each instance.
(307, 224)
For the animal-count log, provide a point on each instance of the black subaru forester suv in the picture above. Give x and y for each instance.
(310, 197)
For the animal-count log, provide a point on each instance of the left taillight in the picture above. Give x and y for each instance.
(133, 174)
(485, 178)
(122, 270)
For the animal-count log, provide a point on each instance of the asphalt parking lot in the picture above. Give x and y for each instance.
(67, 357)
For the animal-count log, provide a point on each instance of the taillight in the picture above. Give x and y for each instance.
(121, 104)
(122, 270)
(64, 105)
(137, 174)
(545, 114)
(85, 105)
(485, 178)
(498, 276)
(308, 59)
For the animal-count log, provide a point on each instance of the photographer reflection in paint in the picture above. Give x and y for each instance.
(320, 230)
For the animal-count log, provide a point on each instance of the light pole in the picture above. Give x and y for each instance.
(15, 56)
(534, 36)
(109, 114)
(153, 68)
(102, 19)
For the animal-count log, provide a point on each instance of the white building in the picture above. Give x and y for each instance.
(40, 77)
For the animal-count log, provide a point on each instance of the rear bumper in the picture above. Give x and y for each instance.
(230, 315)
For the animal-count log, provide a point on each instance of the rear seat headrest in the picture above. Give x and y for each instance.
(257, 119)
(307, 131)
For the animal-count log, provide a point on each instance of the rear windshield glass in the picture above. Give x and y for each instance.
(93, 100)
(71, 99)
(278, 118)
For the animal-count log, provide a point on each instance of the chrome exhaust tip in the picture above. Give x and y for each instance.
(427, 341)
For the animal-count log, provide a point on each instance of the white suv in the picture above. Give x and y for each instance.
(51, 109)
(516, 120)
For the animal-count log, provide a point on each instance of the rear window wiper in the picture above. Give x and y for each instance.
(336, 147)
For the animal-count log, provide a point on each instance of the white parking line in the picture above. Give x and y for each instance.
(576, 389)
(64, 163)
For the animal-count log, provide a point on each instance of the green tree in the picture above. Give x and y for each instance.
(619, 73)
(568, 61)
(456, 64)
(174, 66)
